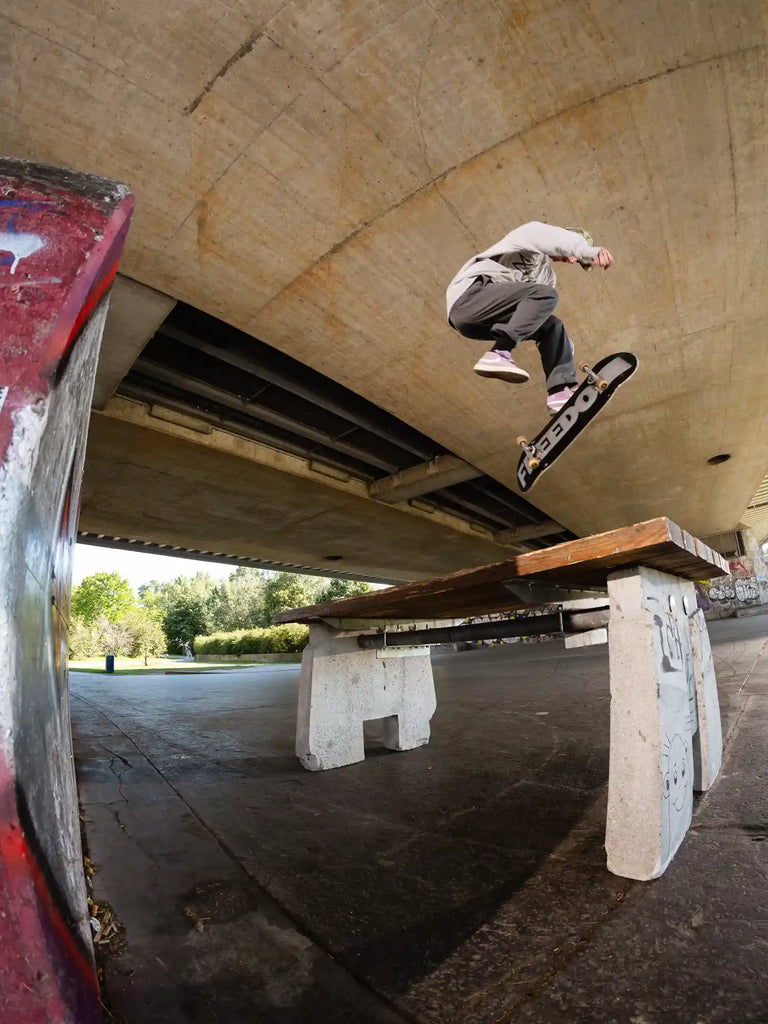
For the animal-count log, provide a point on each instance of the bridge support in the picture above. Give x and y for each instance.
(666, 738)
(62, 235)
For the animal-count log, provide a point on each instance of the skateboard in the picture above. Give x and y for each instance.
(585, 403)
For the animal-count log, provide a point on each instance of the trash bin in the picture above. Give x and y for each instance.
(110, 663)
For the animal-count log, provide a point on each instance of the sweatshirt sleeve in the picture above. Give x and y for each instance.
(553, 241)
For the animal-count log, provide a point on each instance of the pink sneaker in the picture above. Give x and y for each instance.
(558, 399)
(501, 366)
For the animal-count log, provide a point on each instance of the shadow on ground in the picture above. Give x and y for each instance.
(458, 882)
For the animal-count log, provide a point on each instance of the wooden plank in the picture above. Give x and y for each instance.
(584, 563)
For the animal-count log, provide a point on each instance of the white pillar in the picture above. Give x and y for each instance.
(342, 687)
(663, 690)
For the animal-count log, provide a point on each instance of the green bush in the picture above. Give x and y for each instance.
(284, 639)
(84, 640)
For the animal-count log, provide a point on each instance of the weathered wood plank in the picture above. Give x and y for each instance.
(584, 563)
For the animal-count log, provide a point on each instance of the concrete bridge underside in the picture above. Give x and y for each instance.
(312, 173)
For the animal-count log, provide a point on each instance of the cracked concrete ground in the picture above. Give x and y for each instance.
(464, 882)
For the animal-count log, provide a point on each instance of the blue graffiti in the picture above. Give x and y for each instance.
(23, 204)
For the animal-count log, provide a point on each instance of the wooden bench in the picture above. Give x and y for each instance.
(368, 658)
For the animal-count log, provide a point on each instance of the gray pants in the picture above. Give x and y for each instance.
(508, 313)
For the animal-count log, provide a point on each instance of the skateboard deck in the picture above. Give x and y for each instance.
(592, 395)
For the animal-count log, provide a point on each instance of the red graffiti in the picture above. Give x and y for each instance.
(59, 247)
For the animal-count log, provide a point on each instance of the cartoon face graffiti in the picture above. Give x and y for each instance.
(676, 766)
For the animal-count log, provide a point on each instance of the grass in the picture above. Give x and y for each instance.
(136, 666)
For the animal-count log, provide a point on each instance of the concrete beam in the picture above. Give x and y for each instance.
(252, 501)
(135, 313)
(444, 471)
(516, 534)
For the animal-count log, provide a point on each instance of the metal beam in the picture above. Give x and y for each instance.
(261, 368)
(534, 625)
(156, 371)
(443, 471)
(150, 398)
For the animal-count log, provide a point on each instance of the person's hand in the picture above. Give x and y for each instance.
(603, 259)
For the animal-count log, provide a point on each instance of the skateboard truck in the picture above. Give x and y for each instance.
(530, 451)
(594, 378)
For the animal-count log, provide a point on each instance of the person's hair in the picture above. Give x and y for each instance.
(584, 234)
(588, 238)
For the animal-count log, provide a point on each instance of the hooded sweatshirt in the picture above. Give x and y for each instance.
(521, 256)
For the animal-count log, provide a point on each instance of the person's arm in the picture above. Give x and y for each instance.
(561, 244)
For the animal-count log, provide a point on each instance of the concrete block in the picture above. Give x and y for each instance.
(588, 639)
(708, 740)
(654, 694)
(746, 613)
(343, 687)
(135, 313)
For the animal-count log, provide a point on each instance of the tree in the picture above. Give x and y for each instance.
(152, 597)
(342, 588)
(189, 610)
(282, 591)
(147, 636)
(104, 594)
(84, 640)
(114, 637)
(238, 601)
(185, 607)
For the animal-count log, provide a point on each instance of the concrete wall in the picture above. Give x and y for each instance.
(315, 173)
(60, 237)
(744, 591)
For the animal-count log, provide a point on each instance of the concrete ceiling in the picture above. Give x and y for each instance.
(313, 173)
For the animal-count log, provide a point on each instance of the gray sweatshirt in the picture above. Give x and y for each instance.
(522, 256)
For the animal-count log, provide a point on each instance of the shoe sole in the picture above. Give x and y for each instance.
(511, 377)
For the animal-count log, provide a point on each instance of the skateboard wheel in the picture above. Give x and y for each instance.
(584, 368)
(602, 385)
(533, 463)
(521, 440)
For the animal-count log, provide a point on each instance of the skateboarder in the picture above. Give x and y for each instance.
(506, 295)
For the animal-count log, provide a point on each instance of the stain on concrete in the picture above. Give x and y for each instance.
(241, 52)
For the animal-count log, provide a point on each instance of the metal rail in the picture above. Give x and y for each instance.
(536, 625)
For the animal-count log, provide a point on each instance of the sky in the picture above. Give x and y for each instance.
(138, 567)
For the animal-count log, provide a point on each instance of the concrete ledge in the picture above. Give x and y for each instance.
(745, 613)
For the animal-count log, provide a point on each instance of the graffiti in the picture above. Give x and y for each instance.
(702, 596)
(74, 240)
(746, 589)
(669, 643)
(677, 789)
(747, 586)
(520, 613)
(721, 593)
(738, 568)
(20, 246)
(676, 656)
